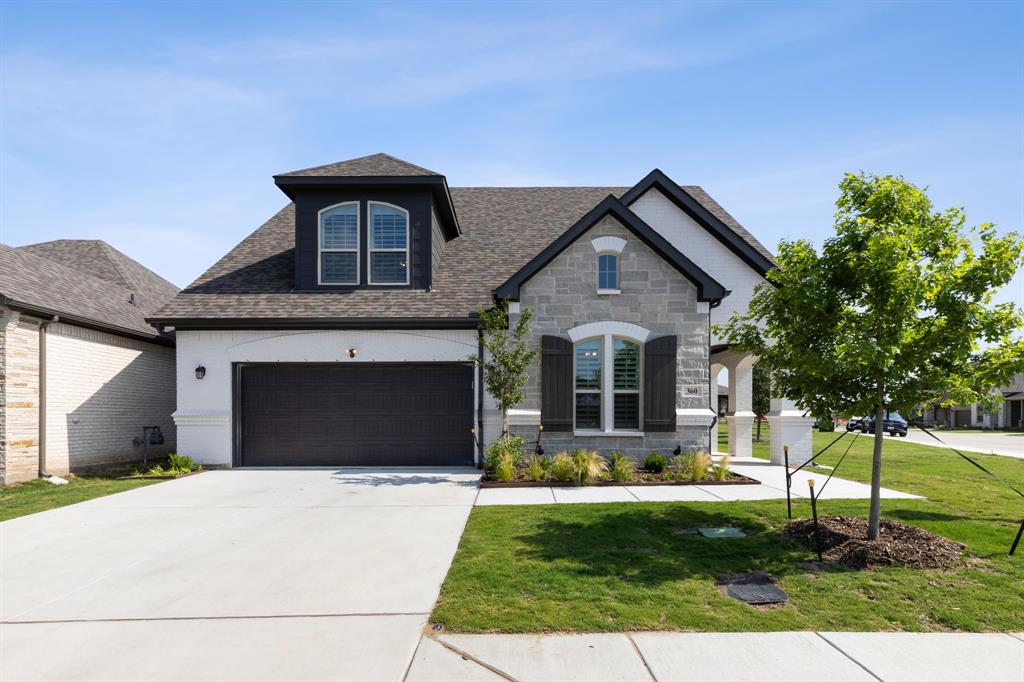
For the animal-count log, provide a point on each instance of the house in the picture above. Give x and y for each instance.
(1010, 414)
(81, 371)
(340, 331)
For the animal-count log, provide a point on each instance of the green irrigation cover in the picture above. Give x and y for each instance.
(723, 532)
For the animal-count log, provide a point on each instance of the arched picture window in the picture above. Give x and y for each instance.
(339, 244)
(389, 244)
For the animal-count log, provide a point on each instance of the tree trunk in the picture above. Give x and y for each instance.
(758, 439)
(874, 517)
(504, 422)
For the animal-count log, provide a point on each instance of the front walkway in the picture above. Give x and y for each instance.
(772, 486)
(232, 575)
(728, 657)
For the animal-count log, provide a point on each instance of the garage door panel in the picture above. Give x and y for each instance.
(355, 415)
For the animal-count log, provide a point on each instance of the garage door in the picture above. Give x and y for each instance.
(355, 415)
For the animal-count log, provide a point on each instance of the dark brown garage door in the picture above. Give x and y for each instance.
(355, 415)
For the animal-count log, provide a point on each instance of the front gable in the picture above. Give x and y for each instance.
(707, 288)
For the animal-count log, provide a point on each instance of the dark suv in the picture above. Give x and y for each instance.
(893, 424)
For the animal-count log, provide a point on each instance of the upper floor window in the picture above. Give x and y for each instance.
(339, 244)
(389, 244)
(608, 271)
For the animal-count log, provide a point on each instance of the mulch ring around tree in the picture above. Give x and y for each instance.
(844, 541)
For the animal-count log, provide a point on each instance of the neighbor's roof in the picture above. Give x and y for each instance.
(503, 229)
(375, 165)
(84, 281)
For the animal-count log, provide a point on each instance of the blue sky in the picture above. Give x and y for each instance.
(157, 127)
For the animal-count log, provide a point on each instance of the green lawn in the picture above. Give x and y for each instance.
(36, 496)
(610, 567)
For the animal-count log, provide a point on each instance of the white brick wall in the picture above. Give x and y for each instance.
(101, 390)
(203, 416)
(702, 248)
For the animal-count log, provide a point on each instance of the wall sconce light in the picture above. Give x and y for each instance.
(352, 352)
(200, 372)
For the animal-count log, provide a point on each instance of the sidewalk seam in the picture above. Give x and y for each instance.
(282, 616)
(641, 655)
(470, 657)
(861, 665)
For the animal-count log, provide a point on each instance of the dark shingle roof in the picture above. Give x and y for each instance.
(375, 165)
(87, 281)
(503, 228)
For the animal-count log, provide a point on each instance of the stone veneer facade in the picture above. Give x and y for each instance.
(654, 296)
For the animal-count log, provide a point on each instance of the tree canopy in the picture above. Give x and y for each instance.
(895, 310)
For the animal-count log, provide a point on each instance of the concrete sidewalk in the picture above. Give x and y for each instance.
(772, 486)
(728, 657)
(1007, 444)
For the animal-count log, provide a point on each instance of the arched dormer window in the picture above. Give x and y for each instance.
(338, 257)
(389, 244)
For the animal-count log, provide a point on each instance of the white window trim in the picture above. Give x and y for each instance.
(618, 273)
(608, 333)
(321, 250)
(370, 250)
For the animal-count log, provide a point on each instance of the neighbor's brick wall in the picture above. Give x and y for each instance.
(101, 390)
(654, 296)
(19, 354)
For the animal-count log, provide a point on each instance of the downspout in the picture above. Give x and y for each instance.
(480, 398)
(712, 447)
(42, 402)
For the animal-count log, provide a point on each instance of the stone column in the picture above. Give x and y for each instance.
(790, 427)
(741, 416)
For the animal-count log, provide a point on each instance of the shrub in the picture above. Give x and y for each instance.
(181, 463)
(561, 467)
(505, 466)
(587, 465)
(701, 466)
(622, 468)
(655, 462)
(682, 465)
(513, 445)
(536, 467)
(616, 456)
(722, 470)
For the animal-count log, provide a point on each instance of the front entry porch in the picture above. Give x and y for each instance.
(789, 425)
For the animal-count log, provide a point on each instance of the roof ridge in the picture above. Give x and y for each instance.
(68, 268)
(407, 163)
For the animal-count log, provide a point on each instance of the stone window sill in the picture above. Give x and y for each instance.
(608, 292)
(610, 434)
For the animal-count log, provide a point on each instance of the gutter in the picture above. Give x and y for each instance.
(39, 311)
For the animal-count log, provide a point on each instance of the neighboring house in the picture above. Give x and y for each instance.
(1008, 415)
(340, 331)
(81, 371)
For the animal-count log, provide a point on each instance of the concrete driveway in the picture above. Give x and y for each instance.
(1006, 443)
(245, 574)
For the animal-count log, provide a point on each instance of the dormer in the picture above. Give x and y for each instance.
(375, 222)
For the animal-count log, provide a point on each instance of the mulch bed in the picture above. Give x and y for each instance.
(733, 479)
(844, 541)
(165, 477)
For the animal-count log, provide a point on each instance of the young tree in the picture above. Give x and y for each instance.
(761, 394)
(507, 357)
(897, 309)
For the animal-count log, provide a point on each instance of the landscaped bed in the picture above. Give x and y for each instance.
(508, 467)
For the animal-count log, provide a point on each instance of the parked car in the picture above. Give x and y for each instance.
(853, 424)
(893, 424)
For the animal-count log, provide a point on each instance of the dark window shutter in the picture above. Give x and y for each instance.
(556, 389)
(660, 384)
